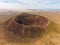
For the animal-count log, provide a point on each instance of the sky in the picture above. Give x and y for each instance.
(29, 4)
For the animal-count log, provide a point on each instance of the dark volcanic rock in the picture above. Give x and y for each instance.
(27, 27)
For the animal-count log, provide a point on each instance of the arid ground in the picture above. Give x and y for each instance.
(52, 37)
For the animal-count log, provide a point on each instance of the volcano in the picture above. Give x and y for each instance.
(26, 27)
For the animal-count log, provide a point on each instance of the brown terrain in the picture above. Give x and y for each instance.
(51, 37)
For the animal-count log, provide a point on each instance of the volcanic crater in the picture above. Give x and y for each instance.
(26, 27)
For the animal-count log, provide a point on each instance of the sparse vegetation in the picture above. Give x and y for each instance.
(52, 34)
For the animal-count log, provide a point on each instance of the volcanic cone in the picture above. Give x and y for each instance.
(26, 27)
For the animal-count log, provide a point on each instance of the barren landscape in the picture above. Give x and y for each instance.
(51, 38)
